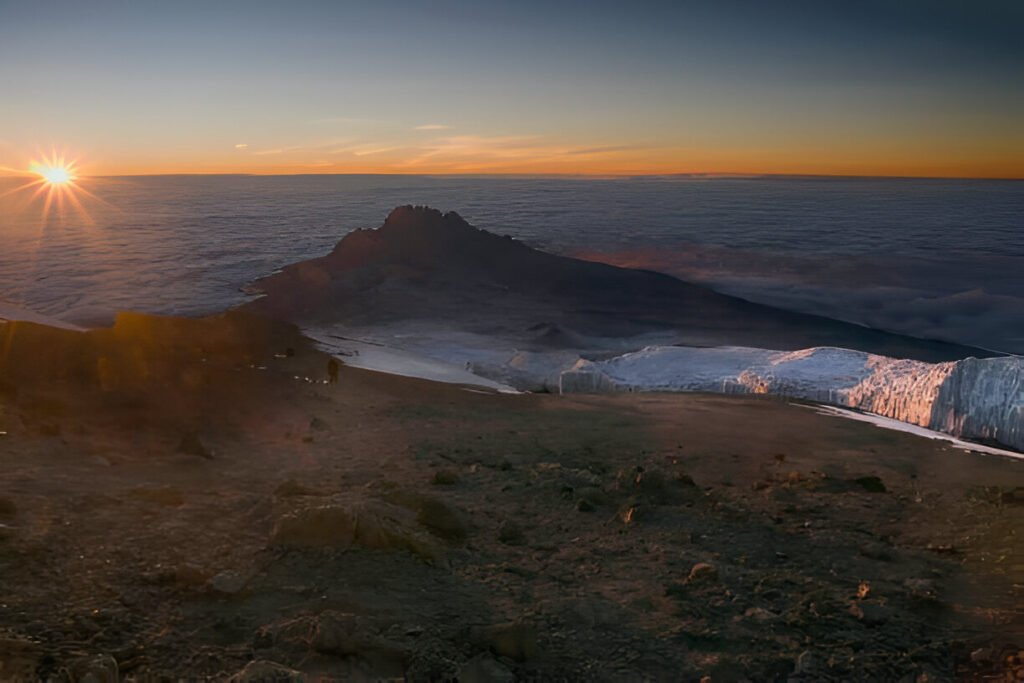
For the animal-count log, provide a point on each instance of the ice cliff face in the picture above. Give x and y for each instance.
(974, 399)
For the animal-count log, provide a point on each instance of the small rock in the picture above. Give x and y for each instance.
(808, 664)
(702, 571)
(511, 533)
(369, 524)
(229, 582)
(7, 508)
(1014, 496)
(95, 669)
(433, 660)
(441, 520)
(485, 669)
(870, 484)
(191, 445)
(983, 655)
(759, 614)
(317, 424)
(185, 575)
(583, 505)
(517, 641)
(445, 478)
(871, 613)
(347, 635)
(263, 671)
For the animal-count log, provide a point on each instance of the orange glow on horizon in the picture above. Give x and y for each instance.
(477, 155)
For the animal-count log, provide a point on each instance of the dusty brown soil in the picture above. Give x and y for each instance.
(178, 501)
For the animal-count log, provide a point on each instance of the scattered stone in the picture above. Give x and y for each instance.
(594, 497)
(441, 520)
(511, 533)
(517, 641)
(229, 582)
(655, 486)
(485, 669)
(369, 524)
(924, 590)
(185, 575)
(701, 572)
(809, 665)
(583, 505)
(94, 669)
(317, 424)
(759, 614)
(349, 635)
(263, 671)
(191, 445)
(871, 484)
(1014, 496)
(876, 551)
(433, 660)
(19, 658)
(871, 613)
(445, 478)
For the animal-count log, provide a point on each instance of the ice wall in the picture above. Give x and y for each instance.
(974, 399)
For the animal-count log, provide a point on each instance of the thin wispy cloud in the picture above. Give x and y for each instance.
(605, 150)
(241, 145)
(433, 126)
(376, 150)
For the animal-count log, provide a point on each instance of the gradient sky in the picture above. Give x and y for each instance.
(898, 87)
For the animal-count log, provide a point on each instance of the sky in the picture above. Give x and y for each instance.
(914, 87)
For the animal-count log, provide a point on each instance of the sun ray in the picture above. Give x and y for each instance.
(56, 183)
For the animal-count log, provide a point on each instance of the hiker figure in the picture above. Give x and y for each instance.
(332, 371)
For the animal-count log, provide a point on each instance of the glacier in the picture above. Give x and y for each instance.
(980, 399)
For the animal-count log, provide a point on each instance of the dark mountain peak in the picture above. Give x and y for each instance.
(409, 217)
(424, 237)
(422, 264)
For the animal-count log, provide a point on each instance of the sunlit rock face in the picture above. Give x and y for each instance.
(972, 398)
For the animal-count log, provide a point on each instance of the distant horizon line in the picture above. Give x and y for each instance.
(590, 176)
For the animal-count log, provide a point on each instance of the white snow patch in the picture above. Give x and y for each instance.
(896, 425)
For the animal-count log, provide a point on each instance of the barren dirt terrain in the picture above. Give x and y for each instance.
(189, 500)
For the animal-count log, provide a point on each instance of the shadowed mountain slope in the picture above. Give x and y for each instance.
(424, 265)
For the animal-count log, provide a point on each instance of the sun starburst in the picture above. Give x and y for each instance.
(55, 182)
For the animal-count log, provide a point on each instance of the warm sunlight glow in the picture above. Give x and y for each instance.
(54, 170)
(55, 175)
(55, 182)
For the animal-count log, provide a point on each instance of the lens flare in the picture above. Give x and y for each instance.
(55, 182)
(56, 175)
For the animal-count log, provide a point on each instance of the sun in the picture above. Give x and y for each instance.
(56, 175)
(54, 170)
(55, 180)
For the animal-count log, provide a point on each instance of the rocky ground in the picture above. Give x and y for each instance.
(189, 501)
